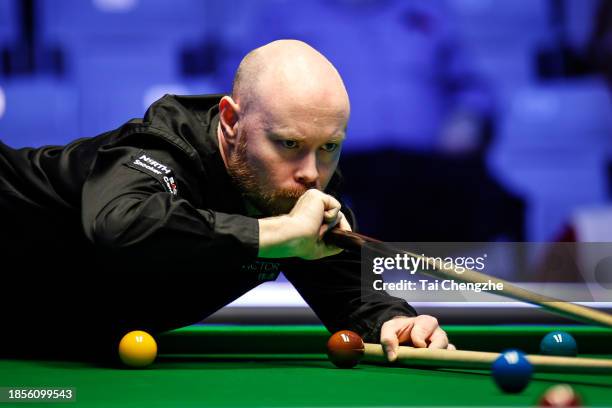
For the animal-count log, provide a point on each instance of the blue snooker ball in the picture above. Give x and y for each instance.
(512, 371)
(558, 343)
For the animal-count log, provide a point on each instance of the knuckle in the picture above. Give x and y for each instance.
(429, 319)
(312, 192)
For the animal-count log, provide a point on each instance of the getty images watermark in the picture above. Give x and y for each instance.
(414, 263)
(477, 271)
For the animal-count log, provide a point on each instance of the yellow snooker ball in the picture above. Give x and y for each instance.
(137, 349)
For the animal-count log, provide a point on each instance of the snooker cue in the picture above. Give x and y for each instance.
(440, 358)
(349, 240)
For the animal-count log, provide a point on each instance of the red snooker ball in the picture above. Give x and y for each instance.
(345, 348)
(561, 395)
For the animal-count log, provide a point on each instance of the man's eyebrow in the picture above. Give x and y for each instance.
(339, 137)
(297, 138)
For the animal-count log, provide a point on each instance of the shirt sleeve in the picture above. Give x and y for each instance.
(342, 298)
(140, 200)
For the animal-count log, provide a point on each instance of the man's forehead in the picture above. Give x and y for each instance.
(295, 100)
(282, 109)
(290, 78)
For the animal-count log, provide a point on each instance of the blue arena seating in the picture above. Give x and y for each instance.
(8, 22)
(38, 112)
(119, 22)
(553, 147)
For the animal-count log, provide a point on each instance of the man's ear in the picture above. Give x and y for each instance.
(229, 112)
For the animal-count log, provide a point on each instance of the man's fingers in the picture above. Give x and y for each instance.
(390, 346)
(392, 333)
(315, 213)
(389, 340)
(344, 224)
(314, 198)
(331, 216)
(422, 331)
(424, 326)
(340, 222)
(327, 227)
(439, 340)
(331, 206)
(331, 202)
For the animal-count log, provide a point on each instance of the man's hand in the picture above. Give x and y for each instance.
(420, 331)
(299, 233)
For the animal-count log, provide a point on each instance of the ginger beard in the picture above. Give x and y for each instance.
(252, 184)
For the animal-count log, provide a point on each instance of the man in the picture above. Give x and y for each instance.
(163, 221)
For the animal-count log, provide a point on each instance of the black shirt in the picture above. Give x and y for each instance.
(143, 227)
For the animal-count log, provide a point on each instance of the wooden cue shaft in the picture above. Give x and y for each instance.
(353, 241)
(423, 357)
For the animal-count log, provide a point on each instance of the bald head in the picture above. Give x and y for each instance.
(288, 72)
(281, 132)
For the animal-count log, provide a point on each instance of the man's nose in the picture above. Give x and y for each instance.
(308, 173)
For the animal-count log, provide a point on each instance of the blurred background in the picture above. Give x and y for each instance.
(472, 120)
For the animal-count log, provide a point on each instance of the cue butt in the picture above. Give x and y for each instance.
(466, 359)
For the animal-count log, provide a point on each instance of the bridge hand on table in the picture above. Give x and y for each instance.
(420, 331)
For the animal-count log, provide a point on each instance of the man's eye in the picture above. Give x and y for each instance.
(289, 144)
(330, 147)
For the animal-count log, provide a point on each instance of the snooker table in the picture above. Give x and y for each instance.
(231, 366)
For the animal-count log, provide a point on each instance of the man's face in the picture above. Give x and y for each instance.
(285, 149)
